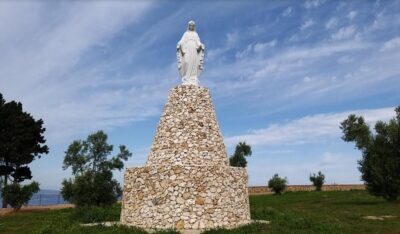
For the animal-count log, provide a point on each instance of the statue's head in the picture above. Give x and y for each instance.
(191, 26)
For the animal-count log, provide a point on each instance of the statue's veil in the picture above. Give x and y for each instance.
(194, 25)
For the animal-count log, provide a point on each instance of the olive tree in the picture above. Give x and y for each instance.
(318, 180)
(93, 183)
(380, 162)
(238, 159)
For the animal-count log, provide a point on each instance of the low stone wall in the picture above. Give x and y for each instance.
(185, 197)
(253, 190)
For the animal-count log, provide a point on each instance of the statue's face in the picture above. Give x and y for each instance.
(191, 27)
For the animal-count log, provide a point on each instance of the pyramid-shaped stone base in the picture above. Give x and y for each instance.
(187, 182)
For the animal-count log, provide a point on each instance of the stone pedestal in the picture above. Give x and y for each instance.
(187, 182)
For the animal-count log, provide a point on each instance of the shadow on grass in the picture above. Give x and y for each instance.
(359, 203)
(247, 229)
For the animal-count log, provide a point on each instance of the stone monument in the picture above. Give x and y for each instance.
(187, 182)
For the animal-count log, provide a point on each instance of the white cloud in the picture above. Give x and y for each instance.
(313, 3)
(384, 21)
(308, 23)
(281, 71)
(320, 50)
(287, 12)
(261, 47)
(307, 79)
(308, 129)
(332, 22)
(282, 66)
(47, 57)
(344, 33)
(391, 44)
(257, 29)
(245, 52)
(257, 48)
(232, 38)
(328, 159)
(352, 14)
(345, 59)
(230, 41)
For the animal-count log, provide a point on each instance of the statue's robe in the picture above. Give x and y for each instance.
(190, 55)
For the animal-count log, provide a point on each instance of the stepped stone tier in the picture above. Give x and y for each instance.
(187, 182)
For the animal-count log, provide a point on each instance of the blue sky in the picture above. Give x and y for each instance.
(282, 74)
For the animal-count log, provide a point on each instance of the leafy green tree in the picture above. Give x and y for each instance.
(21, 142)
(318, 180)
(17, 195)
(238, 159)
(93, 184)
(277, 184)
(380, 163)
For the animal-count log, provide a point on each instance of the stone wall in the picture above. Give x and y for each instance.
(253, 190)
(185, 197)
(187, 182)
(188, 131)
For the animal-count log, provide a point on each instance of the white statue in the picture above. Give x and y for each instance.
(190, 56)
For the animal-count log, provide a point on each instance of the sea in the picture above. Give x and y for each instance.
(45, 197)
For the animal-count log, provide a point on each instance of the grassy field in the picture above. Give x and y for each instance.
(294, 212)
(326, 212)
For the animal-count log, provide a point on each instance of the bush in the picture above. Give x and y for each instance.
(91, 189)
(277, 184)
(317, 180)
(17, 195)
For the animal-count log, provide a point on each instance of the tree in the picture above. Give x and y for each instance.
(17, 195)
(380, 163)
(238, 158)
(21, 142)
(93, 184)
(277, 184)
(317, 180)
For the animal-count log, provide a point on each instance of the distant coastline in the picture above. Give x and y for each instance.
(45, 197)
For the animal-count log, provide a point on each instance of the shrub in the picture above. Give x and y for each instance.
(277, 184)
(17, 195)
(317, 180)
(91, 189)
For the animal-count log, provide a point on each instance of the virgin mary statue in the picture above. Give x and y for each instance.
(190, 56)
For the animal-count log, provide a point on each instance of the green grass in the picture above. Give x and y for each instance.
(97, 214)
(294, 212)
(325, 212)
(251, 228)
(67, 221)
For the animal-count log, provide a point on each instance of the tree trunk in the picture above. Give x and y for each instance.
(4, 205)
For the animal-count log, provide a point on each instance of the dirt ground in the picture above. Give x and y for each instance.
(10, 211)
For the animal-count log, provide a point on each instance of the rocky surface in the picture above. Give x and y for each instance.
(188, 131)
(187, 182)
(185, 197)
